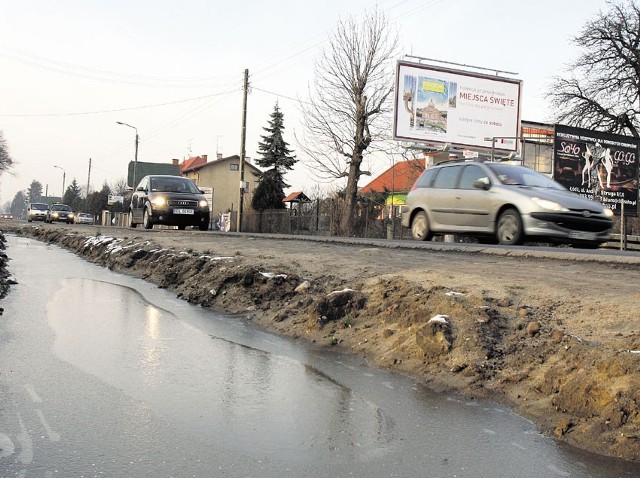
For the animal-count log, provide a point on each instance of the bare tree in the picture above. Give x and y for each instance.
(349, 103)
(603, 90)
(5, 160)
(119, 186)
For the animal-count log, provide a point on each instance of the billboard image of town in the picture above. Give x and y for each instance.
(428, 101)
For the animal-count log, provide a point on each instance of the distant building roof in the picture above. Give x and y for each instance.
(235, 158)
(398, 178)
(297, 196)
(144, 169)
(193, 162)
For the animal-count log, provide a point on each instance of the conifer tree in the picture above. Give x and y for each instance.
(277, 157)
(34, 191)
(72, 195)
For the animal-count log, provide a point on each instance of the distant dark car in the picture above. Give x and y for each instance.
(61, 213)
(168, 200)
(37, 211)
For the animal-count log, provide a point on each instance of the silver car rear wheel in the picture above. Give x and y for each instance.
(509, 230)
(420, 227)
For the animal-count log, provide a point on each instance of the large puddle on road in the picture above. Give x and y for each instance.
(266, 396)
(244, 396)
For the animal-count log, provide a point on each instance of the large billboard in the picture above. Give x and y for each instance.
(598, 166)
(437, 105)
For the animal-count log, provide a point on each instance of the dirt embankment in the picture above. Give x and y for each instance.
(555, 340)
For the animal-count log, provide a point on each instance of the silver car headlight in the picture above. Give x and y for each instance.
(203, 203)
(608, 212)
(549, 205)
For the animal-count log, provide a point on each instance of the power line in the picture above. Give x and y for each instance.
(281, 96)
(131, 108)
(105, 75)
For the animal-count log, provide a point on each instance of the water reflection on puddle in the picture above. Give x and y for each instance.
(240, 395)
(266, 396)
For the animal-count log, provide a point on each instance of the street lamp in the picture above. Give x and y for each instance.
(135, 161)
(63, 178)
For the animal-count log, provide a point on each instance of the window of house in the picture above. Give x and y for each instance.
(234, 167)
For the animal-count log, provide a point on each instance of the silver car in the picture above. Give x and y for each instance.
(37, 211)
(502, 203)
(83, 218)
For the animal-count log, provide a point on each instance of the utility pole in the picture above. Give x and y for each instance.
(135, 158)
(243, 139)
(135, 162)
(86, 201)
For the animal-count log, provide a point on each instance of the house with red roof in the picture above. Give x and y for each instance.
(396, 181)
(190, 163)
(222, 176)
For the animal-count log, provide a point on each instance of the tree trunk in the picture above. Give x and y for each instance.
(351, 191)
(351, 196)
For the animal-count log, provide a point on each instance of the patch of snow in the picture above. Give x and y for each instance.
(271, 275)
(454, 294)
(340, 292)
(439, 319)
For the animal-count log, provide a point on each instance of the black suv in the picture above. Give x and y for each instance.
(168, 200)
(60, 212)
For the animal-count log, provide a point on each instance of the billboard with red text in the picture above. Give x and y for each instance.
(439, 105)
(598, 166)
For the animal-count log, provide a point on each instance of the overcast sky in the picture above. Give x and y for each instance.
(70, 69)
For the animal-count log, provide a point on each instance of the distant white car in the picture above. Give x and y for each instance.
(84, 218)
(37, 211)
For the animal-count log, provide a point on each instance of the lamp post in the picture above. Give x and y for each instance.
(63, 178)
(135, 161)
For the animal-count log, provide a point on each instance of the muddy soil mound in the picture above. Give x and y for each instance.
(474, 341)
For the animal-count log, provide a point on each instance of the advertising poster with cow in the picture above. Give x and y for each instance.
(598, 166)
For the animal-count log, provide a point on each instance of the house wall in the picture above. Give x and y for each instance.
(225, 182)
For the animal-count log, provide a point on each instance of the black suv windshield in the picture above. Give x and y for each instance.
(173, 185)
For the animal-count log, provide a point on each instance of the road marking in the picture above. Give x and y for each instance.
(32, 393)
(53, 436)
(6, 446)
(26, 455)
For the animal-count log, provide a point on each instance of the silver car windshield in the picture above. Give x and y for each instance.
(520, 176)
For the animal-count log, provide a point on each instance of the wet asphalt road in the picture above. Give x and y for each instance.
(105, 375)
